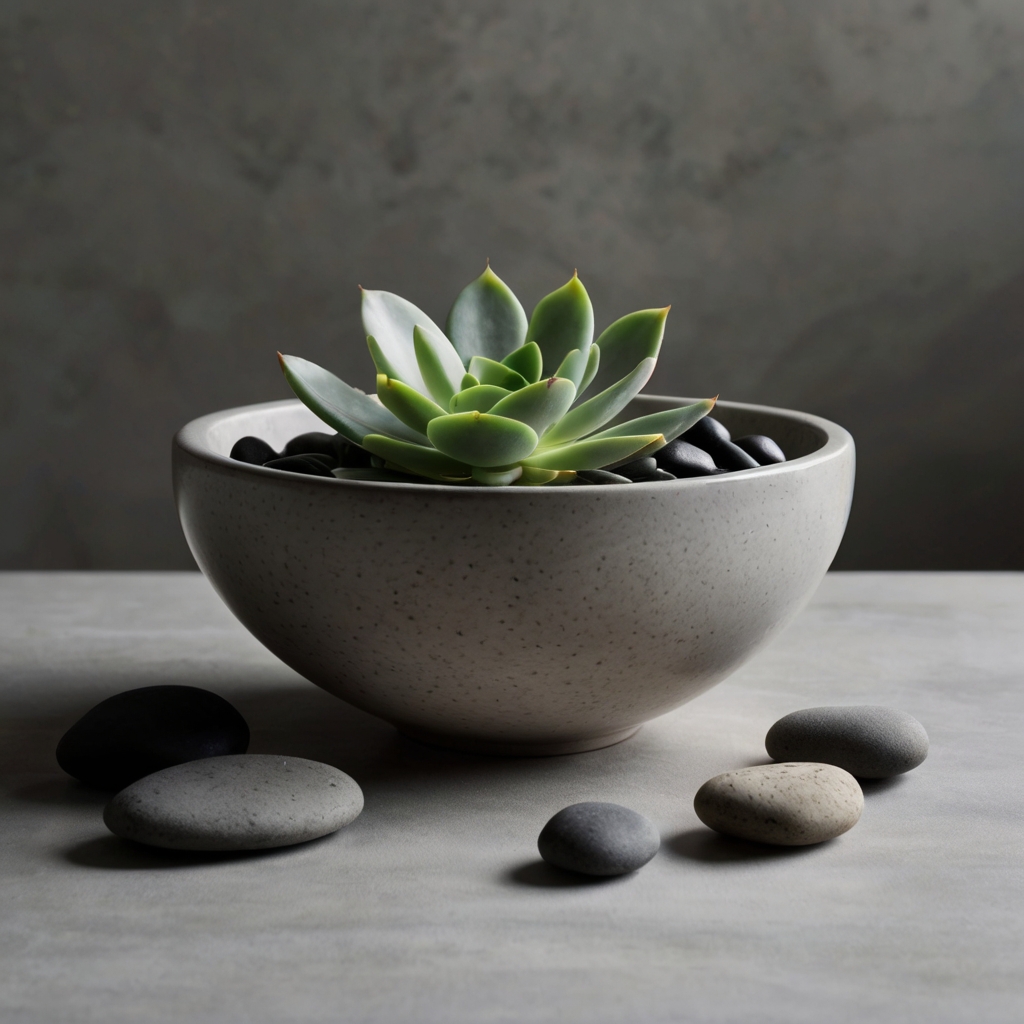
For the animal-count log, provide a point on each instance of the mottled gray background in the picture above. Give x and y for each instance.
(829, 192)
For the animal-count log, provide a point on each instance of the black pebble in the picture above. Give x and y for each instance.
(762, 449)
(310, 465)
(707, 432)
(253, 450)
(598, 839)
(136, 733)
(313, 443)
(349, 455)
(732, 457)
(682, 459)
(601, 476)
(639, 469)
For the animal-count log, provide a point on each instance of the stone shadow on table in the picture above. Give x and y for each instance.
(112, 853)
(540, 874)
(708, 847)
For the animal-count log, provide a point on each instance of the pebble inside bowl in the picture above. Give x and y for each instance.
(515, 620)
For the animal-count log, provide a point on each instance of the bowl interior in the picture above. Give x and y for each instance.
(278, 422)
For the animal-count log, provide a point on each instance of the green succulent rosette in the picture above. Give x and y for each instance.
(494, 398)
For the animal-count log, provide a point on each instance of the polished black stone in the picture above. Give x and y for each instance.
(682, 459)
(142, 731)
(349, 455)
(731, 457)
(598, 839)
(310, 465)
(706, 433)
(601, 476)
(253, 450)
(762, 449)
(639, 469)
(313, 443)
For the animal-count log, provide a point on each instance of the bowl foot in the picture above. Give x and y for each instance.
(514, 748)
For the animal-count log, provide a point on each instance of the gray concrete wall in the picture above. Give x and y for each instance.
(829, 192)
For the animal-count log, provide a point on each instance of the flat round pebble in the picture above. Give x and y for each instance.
(869, 741)
(253, 450)
(794, 804)
(239, 802)
(142, 731)
(682, 459)
(598, 839)
(639, 469)
(316, 442)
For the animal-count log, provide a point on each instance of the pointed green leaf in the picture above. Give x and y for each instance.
(628, 341)
(432, 369)
(539, 404)
(487, 371)
(478, 399)
(390, 319)
(480, 439)
(591, 454)
(527, 360)
(593, 362)
(497, 477)
(486, 319)
(574, 365)
(351, 412)
(597, 411)
(562, 321)
(406, 403)
(416, 458)
(670, 423)
(380, 360)
(468, 381)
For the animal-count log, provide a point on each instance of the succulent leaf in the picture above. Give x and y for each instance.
(478, 399)
(351, 412)
(597, 411)
(593, 454)
(626, 342)
(480, 439)
(380, 360)
(390, 319)
(497, 477)
(527, 360)
(562, 321)
(670, 423)
(488, 371)
(468, 381)
(534, 477)
(539, 404)
(574, 365)
(486, 319)
(416, 458)
(593, 363)
(432, 368)
(412, 408)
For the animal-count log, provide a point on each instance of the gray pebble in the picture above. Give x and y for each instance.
(237, 802)
(782, 804)
(868, 741)
(598, 839)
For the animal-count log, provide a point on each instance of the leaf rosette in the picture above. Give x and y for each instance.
(496, 398)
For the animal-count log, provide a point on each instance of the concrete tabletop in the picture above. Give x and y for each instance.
(434, 907)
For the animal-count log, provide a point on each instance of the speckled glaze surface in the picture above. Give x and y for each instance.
(514, 620)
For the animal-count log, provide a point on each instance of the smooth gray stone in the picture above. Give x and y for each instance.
(596, 838)
(237, 802)
(869, 741)
(782, 804)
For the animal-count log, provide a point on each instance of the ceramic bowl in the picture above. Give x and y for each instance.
(515, 620)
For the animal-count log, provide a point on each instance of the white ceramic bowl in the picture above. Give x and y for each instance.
(525, 620)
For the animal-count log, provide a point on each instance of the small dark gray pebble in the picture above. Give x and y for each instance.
(639, 469)
(598, 839)
(868, 741)
(350, 456)
(705, 432)
(314, 443)
(136, 733)
(253, 450)
(663, 474)
(682, 459)
(762, 449)
(602, 476)
(732, 457)
(310, 465)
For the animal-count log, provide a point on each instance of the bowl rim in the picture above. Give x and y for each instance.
(838, 441)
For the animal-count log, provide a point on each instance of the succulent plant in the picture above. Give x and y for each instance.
(495, 398)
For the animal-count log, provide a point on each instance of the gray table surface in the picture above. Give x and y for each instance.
(433, 905)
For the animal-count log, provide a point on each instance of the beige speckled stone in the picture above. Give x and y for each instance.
(235, 802)
(793, 804)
